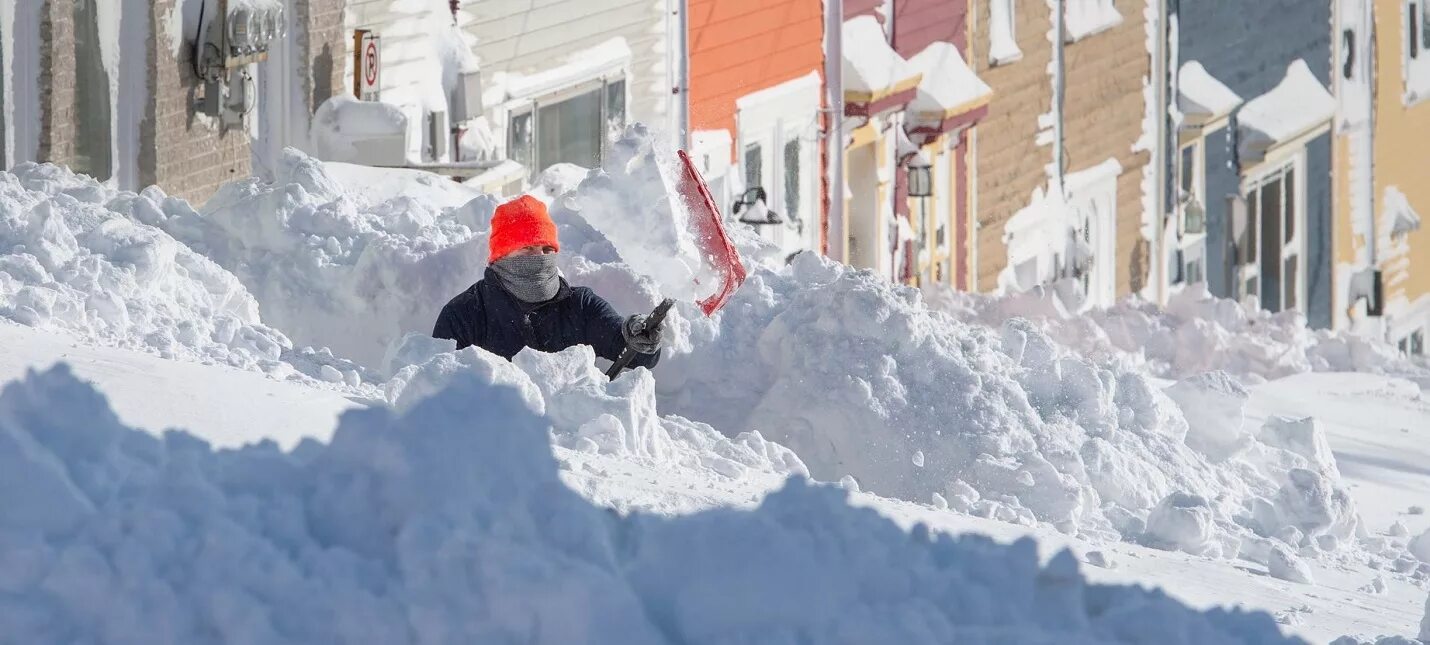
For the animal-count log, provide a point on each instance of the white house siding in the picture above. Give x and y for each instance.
(529, 36)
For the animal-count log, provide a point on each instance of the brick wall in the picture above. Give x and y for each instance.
(326, 46)
(1010, 164)
(57, 82)
(1103, 108)
(191, 157)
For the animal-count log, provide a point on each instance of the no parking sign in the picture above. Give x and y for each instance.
(367, 64)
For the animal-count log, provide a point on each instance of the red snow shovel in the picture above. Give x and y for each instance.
(719, 255)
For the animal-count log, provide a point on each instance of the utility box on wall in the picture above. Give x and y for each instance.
(367, 64)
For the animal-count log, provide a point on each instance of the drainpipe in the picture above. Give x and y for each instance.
(680, 89)
(1366, 141)
(1060, 35)
(834, 129)
(1160, 78)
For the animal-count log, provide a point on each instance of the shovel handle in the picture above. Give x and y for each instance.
(657, 316)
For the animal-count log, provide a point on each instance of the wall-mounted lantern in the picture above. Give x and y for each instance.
(920, 177)
(752, 207)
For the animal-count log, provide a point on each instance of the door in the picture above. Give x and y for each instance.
(1270, 255)
(863, 209)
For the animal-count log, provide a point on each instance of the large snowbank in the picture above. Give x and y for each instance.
(859, 378)
(77, 256)
(447, 523)
(856, 376)
(1195, 332)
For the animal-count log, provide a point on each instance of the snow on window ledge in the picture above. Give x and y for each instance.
(1002, 40)
(1083, 18)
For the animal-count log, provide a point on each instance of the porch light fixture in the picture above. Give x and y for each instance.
(753, 208)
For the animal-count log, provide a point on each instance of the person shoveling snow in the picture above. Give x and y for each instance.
(522, 301)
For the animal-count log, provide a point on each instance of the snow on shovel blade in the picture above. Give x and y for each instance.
(719, 255)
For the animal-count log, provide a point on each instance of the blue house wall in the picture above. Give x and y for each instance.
(1247, 45)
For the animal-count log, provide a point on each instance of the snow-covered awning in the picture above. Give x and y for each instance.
(1401, 218)
(1201, 97)
(949, 87)
(1298, 105)
(872, 69)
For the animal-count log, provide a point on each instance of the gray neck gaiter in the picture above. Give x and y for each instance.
(531, 278)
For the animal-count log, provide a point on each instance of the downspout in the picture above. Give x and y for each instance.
(1366, 141)
(834, 127)
(1060, 35)
(680, 89)
(1160, 78)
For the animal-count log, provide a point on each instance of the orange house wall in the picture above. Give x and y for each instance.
(742, 46)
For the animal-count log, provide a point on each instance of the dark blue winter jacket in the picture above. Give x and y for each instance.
(490, 317)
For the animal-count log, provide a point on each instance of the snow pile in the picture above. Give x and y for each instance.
(1196, 332)
(860, 379)
(334, 267)
(346, 129)
(353, 260)
(592, 414)
(448, 524)
(77, 256)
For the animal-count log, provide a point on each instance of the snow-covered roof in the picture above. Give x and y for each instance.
(872, 69)
(1201, 97)
(1297, 105)
(949, 86)
(1400, 215)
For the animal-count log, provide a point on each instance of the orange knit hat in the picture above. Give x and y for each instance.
(519, 223)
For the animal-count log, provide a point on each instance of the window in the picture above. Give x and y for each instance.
(1416, 62)
(1002, 38)
(92, 135)
(754, 166)
(567, 132)
(615, 110)
(569, 128)
(1413, 344)
(1348, 53)
(1189, 170)
(1412, 23)
(792, 177)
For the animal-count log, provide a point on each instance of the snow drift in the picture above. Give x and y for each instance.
(448, 524)
(859, 378)
(334, 270)
(77, 256)
(1196, 332)
(80, 257)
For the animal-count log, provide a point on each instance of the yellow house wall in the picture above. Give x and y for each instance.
(1402, 156)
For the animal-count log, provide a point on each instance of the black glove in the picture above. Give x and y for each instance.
(641, 337)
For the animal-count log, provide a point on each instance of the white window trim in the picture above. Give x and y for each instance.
(1263, 172)
(1087, 18)
(1003, 47)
